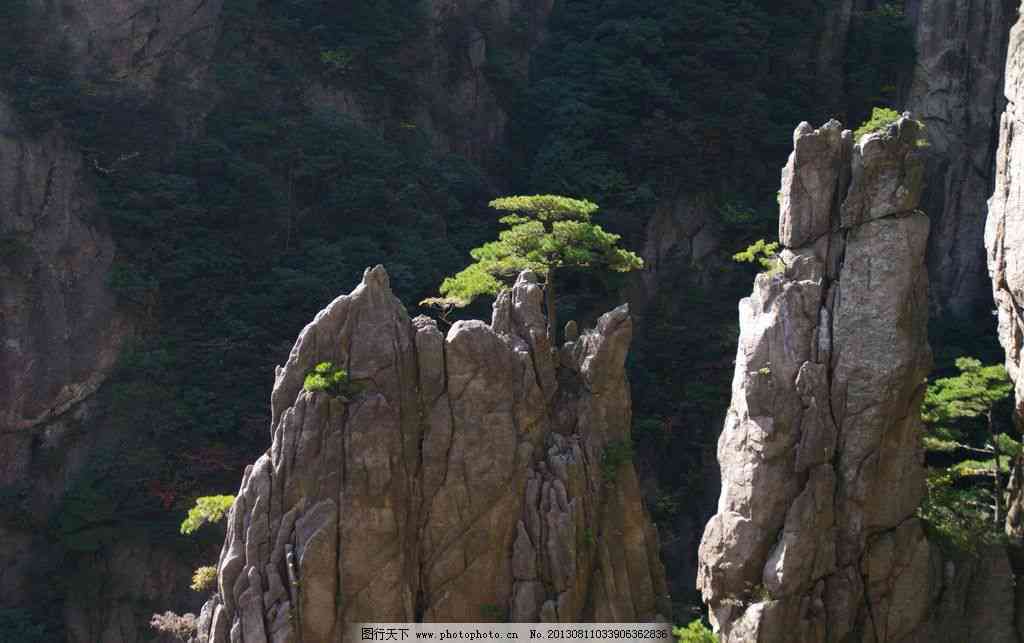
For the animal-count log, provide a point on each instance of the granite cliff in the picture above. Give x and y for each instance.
(478, 474)
(816, 537)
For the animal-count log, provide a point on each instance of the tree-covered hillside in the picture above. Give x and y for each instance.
(244, 201)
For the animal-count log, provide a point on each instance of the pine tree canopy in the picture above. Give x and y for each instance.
(968, 395)
(545, 232)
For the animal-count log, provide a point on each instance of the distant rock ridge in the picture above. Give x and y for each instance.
(816, 537)
(479, 475)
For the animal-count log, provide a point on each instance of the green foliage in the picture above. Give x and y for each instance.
(695, 632)
(546, 207)
(207, 510)
(545, 233)
(629, 95)
(615, 454)
(881, 117)
(968, 395)
(21, 626)
(764, 254)
(879, 57)
(492, 612)
(328, 379)
(972, 467)
(957, 516)
(957, 508)
(204, 578)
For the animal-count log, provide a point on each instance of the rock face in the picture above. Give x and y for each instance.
(477, 475)
(957, 91)
(1004, 231)
(815, 538)
(60, 331)
(134, 40)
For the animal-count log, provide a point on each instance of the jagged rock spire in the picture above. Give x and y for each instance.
(466, 479)
(815, 538)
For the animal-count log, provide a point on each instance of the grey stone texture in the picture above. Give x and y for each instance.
(816, 538)
(468, 479)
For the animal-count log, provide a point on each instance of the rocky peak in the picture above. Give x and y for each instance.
(476, 474)
(815, 538)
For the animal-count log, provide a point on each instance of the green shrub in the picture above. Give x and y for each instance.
(328, 379)
(204, 578)
(208, 509)
(881, 117)
(955, 517)
(763, 253)
(695, 632)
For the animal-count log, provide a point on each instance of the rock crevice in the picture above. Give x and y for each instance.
(816, 537)
(469, 479)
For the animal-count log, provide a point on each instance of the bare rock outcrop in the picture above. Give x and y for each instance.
(816, 537)
(477, 475)
(59, 328)
(133, 40)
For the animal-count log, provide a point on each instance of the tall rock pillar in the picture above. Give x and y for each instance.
(815, 537)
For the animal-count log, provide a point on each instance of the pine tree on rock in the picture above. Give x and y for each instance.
(546, 234)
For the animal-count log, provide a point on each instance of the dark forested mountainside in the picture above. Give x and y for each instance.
(249, 158)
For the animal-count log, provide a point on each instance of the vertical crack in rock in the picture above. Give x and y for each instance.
(360, 488)
(822, 470)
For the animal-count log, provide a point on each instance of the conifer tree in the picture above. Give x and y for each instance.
(971, 394)
(545, 233)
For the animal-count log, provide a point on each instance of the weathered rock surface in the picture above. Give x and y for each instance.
(815, 538)
(60, 330)
(1004, 231)
(474, 476)
(957, 91)
(134, 40)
